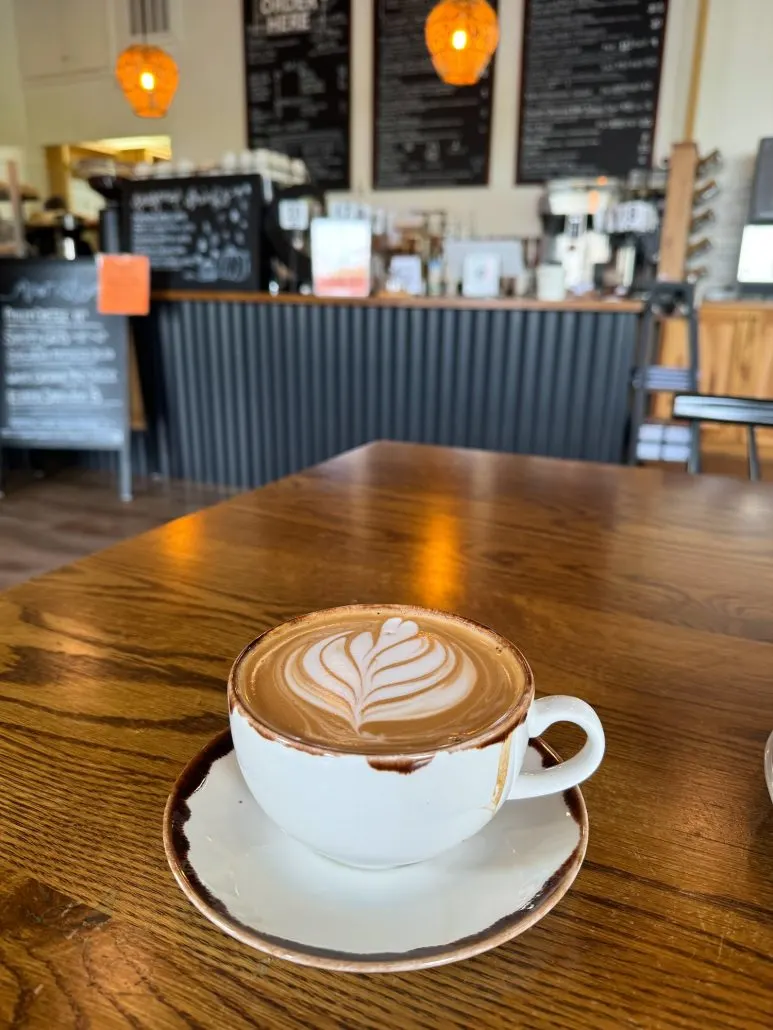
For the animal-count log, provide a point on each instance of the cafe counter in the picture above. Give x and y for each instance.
(242, 388)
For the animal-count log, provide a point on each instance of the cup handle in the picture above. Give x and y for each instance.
(542, 714)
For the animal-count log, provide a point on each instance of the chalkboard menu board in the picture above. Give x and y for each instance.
(63, 366)
(201, 232)
(296, 60)
(425, 133)
(590, 77)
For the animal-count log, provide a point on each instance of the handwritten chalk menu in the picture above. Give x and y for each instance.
(296, 59)
(63, 378)
(201, 232)
(589, 87)
(425, 133)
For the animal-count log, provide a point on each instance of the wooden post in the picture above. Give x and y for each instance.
(14, 195)
(696, 70)
(675, 232)
(58, 168)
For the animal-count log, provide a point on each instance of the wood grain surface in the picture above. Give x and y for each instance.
(648, 593)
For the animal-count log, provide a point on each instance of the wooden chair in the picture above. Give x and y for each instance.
(740, 411)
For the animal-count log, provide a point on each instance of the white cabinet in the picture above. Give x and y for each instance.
(62, 37)
(39, 37)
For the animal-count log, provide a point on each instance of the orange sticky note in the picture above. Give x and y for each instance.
(123, 284)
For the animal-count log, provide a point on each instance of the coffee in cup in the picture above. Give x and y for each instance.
(381, 735)
(373, 680)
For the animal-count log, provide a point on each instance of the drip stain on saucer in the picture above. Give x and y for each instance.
(573, 801)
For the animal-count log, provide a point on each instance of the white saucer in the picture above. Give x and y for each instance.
(262, 887)
(768, 764)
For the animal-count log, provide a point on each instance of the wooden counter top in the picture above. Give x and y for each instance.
(592, 304)
(739, 306)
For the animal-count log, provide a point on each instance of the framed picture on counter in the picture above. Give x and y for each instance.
(405, 270)
(480, 275)
(340, 257)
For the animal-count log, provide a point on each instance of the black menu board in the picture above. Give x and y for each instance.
(198, 233)
(63, 366)
(296, 61)
(425, 133)
(590, 77)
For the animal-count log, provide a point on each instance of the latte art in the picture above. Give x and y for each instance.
(402, 674)
(382, 680)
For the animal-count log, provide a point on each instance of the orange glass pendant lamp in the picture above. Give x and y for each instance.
(461, 36)
(147, 75)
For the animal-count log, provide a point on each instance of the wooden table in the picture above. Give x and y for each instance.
(646, 592)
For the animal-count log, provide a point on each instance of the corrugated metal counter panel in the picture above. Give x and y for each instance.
(250, 392)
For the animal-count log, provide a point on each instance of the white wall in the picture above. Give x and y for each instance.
(208, 117)
(13, 122)
(735, 110)
(501, 207)
(13, 129)
(14, 136)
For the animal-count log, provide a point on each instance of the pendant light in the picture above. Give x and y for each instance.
(461, 36)
(147, 75)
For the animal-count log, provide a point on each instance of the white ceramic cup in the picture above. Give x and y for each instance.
(377, 811)
(551, 282)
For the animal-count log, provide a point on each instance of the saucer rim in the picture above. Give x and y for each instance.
(767, 762)
(506, 928)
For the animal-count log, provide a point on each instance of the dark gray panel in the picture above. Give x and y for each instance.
(564, 383)
(580, 383)
(529, 398)
(250, 392)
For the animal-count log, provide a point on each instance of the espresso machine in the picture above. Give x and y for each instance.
(287, 221)
(111, 233)
(572, 212)
(291, 200)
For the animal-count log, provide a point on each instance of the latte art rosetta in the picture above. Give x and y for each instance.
(404, 674)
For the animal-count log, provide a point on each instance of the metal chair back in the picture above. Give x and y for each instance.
(751, 412)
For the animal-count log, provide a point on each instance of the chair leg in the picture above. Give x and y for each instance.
(754, 458)
(644, 351)
(694, 460)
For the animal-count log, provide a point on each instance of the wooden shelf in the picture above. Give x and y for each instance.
(581, 304)
(734, 308)
(25, 192)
